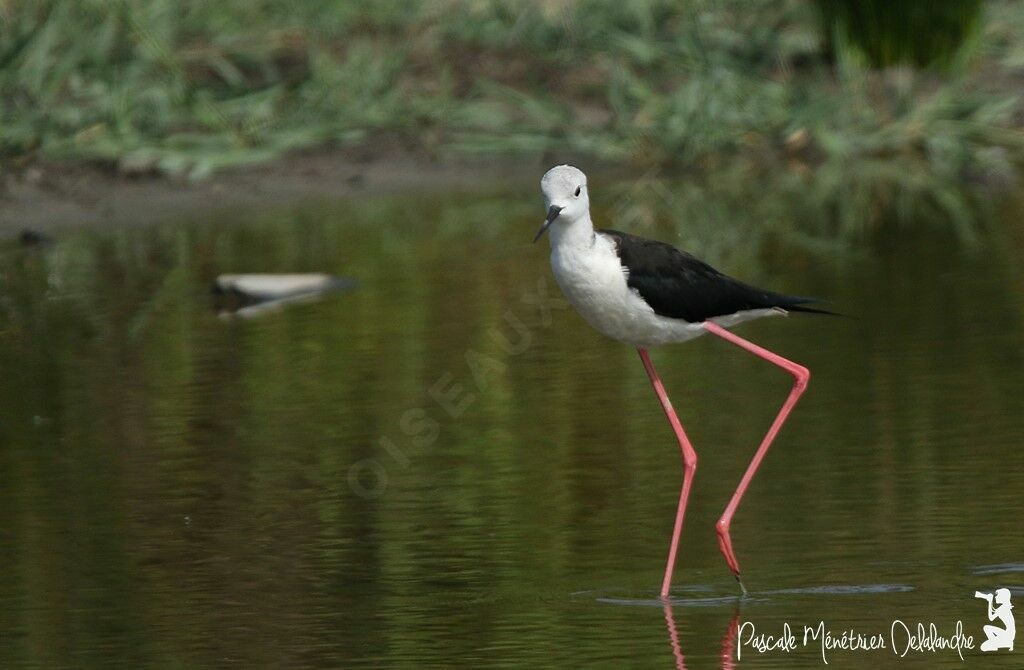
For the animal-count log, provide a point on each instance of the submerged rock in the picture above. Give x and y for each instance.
(33, 238)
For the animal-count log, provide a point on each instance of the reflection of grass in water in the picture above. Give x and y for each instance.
(741, 211)
(184, 87)
(189, 476)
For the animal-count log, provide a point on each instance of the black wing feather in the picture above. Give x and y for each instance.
(680, 286)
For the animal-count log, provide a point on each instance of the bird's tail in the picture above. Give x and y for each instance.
(792, 303)
(811, 310)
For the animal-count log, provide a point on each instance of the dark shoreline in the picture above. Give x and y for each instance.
(49, 198)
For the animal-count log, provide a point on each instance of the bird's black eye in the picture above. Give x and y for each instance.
(578, 191)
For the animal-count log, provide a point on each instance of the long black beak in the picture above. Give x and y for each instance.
(553, 212)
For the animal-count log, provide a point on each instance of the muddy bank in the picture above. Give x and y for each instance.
(52, 197)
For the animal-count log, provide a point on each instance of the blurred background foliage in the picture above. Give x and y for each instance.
(918, 32)
(872, 111)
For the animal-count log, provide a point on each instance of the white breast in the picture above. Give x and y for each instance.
(594, 281)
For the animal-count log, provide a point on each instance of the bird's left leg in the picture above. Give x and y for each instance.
(801, 375)
(689, 466)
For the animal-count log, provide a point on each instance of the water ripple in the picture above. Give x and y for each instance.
(997, 569)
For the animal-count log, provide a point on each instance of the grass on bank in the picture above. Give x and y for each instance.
(745, 89)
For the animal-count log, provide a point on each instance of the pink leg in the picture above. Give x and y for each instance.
(689, 467)
(801, 375)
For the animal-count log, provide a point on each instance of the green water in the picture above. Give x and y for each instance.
(440, 468)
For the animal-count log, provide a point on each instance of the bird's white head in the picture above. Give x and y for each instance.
(565, 197)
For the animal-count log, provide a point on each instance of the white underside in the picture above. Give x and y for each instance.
(592, 278)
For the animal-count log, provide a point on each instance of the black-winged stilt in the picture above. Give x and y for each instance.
(646, 293)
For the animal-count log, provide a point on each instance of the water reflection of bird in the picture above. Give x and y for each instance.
(726, 654)
(646, 293)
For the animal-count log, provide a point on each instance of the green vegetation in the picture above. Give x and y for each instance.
(184, 87)
(918, 32)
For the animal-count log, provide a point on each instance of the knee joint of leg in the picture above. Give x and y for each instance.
(802, 376)
(722, 527)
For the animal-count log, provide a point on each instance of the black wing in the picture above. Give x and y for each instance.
(679, 286)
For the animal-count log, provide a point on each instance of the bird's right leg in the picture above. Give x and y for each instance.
(689, 466)
(800, 377)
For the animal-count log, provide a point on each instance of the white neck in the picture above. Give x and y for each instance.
(576, 234)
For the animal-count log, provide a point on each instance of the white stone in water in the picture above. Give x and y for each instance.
(276, 286)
